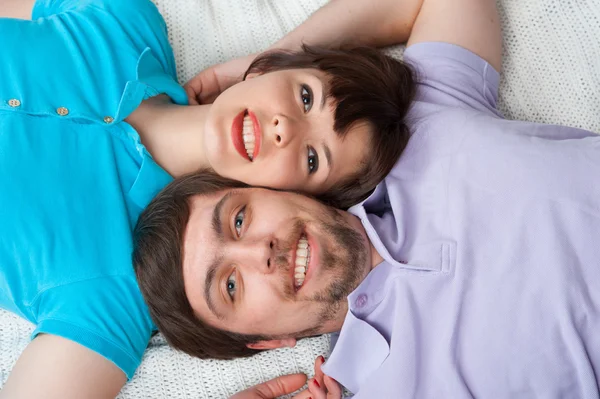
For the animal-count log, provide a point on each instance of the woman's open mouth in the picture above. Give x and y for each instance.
(245, 134)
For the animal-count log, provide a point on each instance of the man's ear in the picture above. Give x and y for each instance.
(273, 344)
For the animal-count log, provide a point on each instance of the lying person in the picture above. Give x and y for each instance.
(480, 274)
(489, 286)
(93, 124)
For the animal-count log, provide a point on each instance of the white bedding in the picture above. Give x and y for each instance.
(551, 74)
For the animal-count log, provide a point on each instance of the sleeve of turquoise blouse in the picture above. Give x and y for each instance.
(47, 8)
(106, 315)
(137, 21)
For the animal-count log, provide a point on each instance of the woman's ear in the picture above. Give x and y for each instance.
(273, 344)
(252, 75)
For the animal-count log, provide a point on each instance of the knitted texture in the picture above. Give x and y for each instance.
(551, 74)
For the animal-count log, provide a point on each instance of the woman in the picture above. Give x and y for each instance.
(93, 124)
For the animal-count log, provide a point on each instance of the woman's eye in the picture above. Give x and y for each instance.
(231, 286)
(239, 221)
(307, 97)
(313, 161)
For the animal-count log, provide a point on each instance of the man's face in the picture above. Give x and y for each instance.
(271, 263)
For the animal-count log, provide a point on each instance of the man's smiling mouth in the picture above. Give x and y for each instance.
(302, 262)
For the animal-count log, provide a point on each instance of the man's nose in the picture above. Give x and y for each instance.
(257, 255)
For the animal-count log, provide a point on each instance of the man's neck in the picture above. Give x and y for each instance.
(172, 133)
(376, 258)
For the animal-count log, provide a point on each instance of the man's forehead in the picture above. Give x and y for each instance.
(202, 207)
(201, 201)
(200, 244)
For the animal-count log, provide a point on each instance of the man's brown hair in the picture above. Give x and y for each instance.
(364, 85)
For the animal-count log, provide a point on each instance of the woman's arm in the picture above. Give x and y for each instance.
(355, 23)
(338, 23)
(472, 24)
(54, 367)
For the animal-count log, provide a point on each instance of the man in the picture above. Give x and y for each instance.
(487, 287)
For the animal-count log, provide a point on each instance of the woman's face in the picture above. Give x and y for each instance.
(276, 130)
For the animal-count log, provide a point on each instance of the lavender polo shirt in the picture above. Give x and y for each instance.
(490, 231)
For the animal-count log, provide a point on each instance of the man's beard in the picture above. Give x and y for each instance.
(344, 259)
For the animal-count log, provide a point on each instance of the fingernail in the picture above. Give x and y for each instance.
(317, 383)
(322, 359)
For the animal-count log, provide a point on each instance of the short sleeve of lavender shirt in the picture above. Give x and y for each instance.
(451, 75)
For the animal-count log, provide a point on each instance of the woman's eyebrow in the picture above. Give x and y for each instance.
(328, 156)
(323, 94)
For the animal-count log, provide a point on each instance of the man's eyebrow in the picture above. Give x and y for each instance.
(327, 152)
(210, 277)
(217, 227)
(216, 216)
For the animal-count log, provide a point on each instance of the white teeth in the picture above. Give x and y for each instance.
(248, 136)
(303, 252)
(302, 258)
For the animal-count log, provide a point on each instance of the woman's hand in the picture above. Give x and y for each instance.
(321, 386)
(205, 87)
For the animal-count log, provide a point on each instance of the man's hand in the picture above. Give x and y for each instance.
(273, 388)
(321, 386)
(205, 87)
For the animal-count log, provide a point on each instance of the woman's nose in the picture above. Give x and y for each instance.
(281, 127)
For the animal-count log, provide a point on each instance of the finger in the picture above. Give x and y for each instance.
(318, 372)
(209, 98)
(280, 386)
(317, 389)
(191, 94)
(334, 390)
(305, 394)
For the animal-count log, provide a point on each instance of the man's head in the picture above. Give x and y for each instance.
(228, 270)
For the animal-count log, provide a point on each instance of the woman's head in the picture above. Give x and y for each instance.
(325, 122)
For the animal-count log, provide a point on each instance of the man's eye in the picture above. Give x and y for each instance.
(313, 161)
(239, 221)
(306, 96)
(231, 285)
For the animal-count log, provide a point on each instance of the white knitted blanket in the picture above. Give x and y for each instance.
(551, 74)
